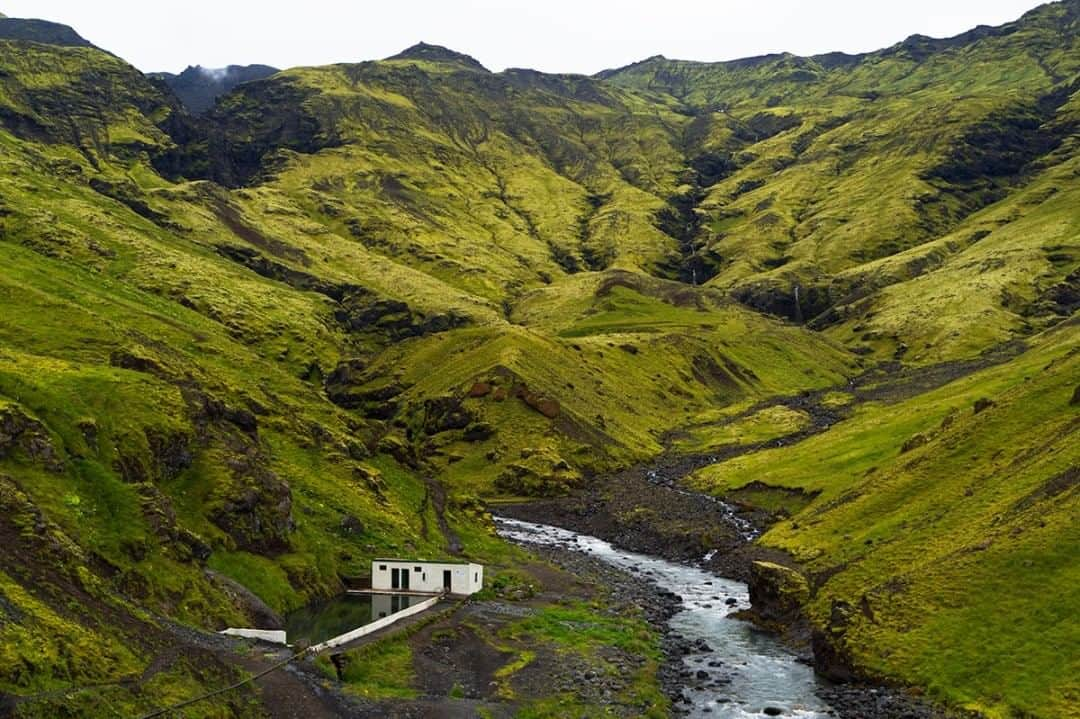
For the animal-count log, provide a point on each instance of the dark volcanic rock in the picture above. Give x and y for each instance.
(393, 319)
(21, 433)
(443, 414)
(199, 87)
(479, 432)
(255, 507)
(777, 593)
(831, 659)
(235, 143)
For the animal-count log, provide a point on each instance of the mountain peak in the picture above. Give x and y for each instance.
(438, 53)
(199, 87)
(42, 31)
(607, 74)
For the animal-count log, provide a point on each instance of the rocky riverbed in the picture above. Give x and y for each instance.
(716, 665)
(697, 680)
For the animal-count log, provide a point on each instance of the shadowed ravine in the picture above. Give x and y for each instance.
(743, 672)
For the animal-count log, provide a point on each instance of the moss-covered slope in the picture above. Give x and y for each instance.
(823, 171)
(215, 404)
(242, 354)
(941, 540)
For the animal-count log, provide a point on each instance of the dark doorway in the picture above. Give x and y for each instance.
(399, 578)
(446, 580)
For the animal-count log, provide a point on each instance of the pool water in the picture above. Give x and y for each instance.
(317, 623)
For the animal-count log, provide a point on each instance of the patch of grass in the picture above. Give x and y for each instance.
(261, 575)
(779, 501)
(506, 673)
(769, 423)
(580, 627)
(382, 670)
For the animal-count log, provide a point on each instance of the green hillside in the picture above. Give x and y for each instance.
(941, 538)
(243, 353)
(881, 184)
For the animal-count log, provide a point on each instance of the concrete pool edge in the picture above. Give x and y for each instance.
(375, 626)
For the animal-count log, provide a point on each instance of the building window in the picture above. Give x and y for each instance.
(416, 569)
(423, 577)
(382, 567)
(476, 576)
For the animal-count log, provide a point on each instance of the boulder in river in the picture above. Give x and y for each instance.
(777, 593)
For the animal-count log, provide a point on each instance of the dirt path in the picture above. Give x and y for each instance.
(289, 693)
(435, 496)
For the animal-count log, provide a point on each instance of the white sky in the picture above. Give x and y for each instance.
(551, 35)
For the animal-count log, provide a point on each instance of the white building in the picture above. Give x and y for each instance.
(411, 575)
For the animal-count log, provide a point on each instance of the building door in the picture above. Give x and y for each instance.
(446, 580)
(395, 578)
(404, 578)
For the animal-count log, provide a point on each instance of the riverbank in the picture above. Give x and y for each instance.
(713, 536)
(627, 590)
(719, 666)
(642, 509)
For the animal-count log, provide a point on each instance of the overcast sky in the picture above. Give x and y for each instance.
(552, 35)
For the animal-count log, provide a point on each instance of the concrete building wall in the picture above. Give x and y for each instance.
(435, 577)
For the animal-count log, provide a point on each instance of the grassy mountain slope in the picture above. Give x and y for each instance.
(244, 353)
(147, 439)
(830, 168)
(472, 177)
(940, 535)
(186, 414)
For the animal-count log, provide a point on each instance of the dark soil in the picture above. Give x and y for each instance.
(625, 509)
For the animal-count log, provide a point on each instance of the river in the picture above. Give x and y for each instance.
(745, 673)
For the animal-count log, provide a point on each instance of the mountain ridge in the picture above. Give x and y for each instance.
(438, 54)
(260, 343)
(199, 88)
(42, 31)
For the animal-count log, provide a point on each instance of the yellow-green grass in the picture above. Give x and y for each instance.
(585, 630)
(529, 208)
(769, 423)
(962, 548)
(382, 671)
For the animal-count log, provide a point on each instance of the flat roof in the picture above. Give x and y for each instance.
(423, 561)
